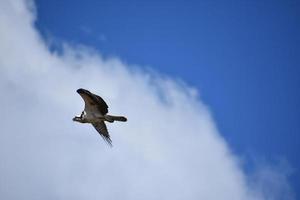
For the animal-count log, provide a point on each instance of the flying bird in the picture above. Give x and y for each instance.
(95, 112)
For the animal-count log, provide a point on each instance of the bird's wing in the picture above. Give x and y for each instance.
(102, 130)
(93, 103)
(102, 106)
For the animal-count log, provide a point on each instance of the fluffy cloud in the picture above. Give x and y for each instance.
(169, 148)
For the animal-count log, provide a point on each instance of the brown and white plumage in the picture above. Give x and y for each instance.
(95, 112)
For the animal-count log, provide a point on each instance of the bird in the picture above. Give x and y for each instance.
(95, 112)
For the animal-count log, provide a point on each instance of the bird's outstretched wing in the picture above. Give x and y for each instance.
(102, 130)
(93, 102)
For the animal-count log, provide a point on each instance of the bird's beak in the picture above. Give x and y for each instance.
(77, 119)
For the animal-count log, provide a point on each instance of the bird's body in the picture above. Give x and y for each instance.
(95, 113)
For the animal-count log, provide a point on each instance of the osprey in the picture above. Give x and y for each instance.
(95, 112)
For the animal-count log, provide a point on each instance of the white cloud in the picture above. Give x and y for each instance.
(169, 148)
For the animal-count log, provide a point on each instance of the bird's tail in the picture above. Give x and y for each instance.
(112, 118)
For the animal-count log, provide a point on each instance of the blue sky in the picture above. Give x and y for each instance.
(236, 140)
(243, 57)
